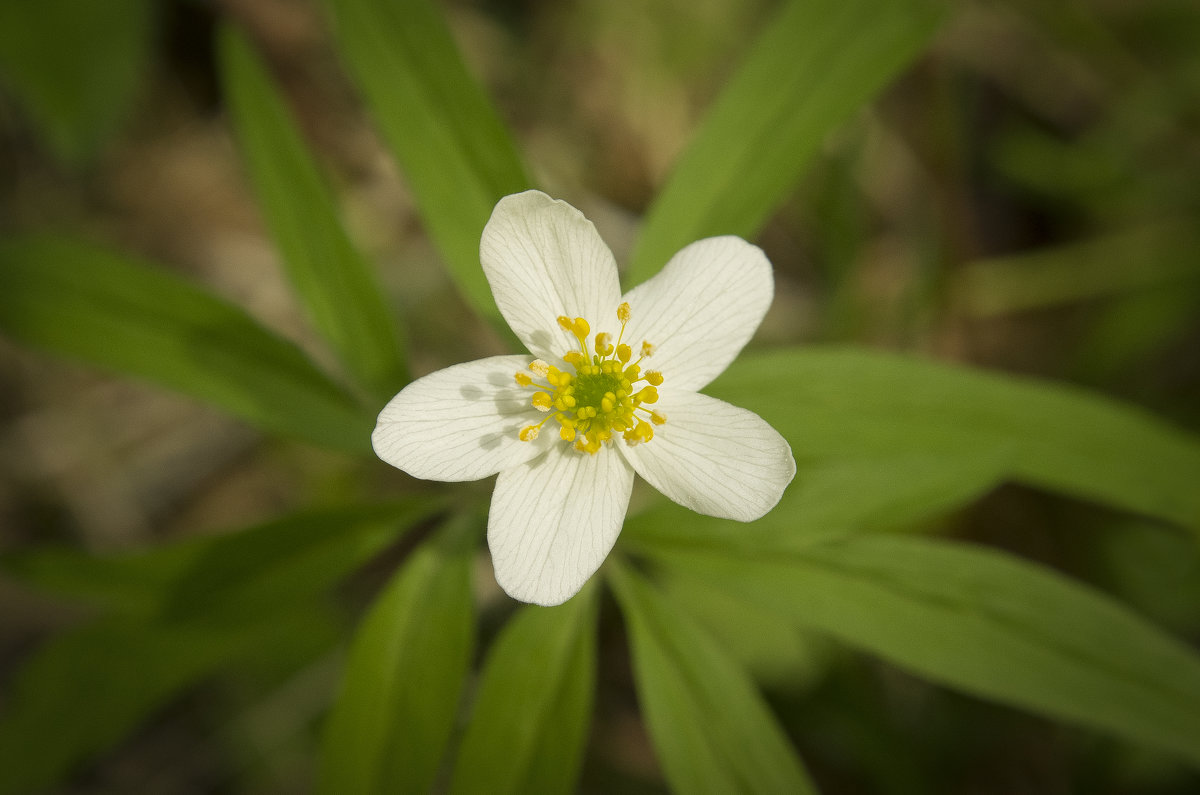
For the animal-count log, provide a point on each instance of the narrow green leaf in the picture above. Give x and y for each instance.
(89, 687)
(334, 281)
(391, 722)
(529, 725)
(833, 496)
(1130, 261)
(838, 403)
(75, 66)
(109, 310)
(456, 154)
(980, 621)
(712, 731)
(287, 560)
(259, 569)
(808, 71)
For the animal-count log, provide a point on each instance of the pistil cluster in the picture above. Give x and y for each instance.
(602, 397)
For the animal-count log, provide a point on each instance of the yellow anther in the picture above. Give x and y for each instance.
(642, 432)
(595, 396)
(648, 394)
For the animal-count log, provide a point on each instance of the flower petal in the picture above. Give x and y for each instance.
(701, 309)
(554, 520)
(460, 423)
(543, 259)
(715, 458)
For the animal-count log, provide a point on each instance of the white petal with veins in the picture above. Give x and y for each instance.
(715, 458)
(460, 423)
(701, 309)
(543, 259)
(554, 520)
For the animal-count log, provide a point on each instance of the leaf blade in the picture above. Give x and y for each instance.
(391, 722)
(455, 152)
(334, 281)
(90, 304)
(840, 402)
(529, 725)
(982, 622)
(710, 727)
(812, 66)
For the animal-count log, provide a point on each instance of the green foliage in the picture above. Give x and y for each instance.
(711, 729)
(75, 66)
(529, 724)
(980, 621)
(107, 309)
(400, 693)
(91, 686)
(178, 614)
(331, 277)
(833, 402)
(809, 70)
(457, 157)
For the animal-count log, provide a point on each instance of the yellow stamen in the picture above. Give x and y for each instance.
(598, 399)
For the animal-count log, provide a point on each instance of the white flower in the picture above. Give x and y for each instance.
(567, 427)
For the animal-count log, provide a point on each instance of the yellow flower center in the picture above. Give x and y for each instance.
(602, 396)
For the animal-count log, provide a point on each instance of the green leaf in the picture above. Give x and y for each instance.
(808, 71)
(109, 310)
(259, 569)
(86, 689)
(529, 725)
(980, 621)
(75, 66)
(1130, 261)
(391, 722)
(834, 496)
(839, 403)
(288, 560)
(456, 154)
(334, 281)
(712, 731)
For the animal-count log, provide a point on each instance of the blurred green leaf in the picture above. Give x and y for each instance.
(834, 496)
(711, 729)
(330, 275)
(259, 569)
(771, 647)
(389, 727)
(1115, 264)
(86, 689)
(456, 154)
(838, 403)
(107, 309)
(815, 64)
(75, 66)
(275, 564)
(980, 621)
(529, 725)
